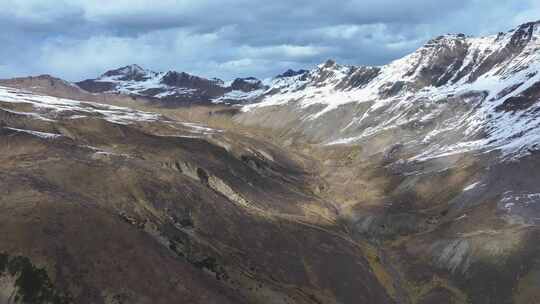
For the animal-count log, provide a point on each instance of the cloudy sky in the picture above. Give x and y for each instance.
(78, 39)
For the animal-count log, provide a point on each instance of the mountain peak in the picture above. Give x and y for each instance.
(525, 32)
(445, 40)
(291, 73)
(530, 24)
(171, 86)
(247, 84)
(329, 63)
(134, 67)
(128, 72)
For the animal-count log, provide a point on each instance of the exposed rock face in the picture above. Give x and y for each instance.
(247, 84)
(184, 80)
(291, 73)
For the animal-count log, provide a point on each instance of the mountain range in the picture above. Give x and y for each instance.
(173, 87)
(411, 182)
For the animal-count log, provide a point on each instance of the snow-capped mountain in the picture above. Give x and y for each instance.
(455, 94)
(436, 152)
(173, 87)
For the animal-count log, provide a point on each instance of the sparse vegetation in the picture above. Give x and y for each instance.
(33, 285)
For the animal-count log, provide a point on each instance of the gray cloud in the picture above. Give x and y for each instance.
(79, 39)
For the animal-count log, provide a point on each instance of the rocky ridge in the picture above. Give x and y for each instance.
(173, 88)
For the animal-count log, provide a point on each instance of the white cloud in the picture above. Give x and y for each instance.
(162, 50)
(225, 38)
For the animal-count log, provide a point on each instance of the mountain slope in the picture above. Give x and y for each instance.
(106, 204)
(454, 94)
(433, 157)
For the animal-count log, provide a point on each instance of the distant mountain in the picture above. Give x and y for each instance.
(291, 73)
(173, 87)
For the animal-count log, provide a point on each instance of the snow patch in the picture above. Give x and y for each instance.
(43, 135)
(471, 186)
(53, 106)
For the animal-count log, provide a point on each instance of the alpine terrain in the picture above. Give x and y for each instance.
(413, 182)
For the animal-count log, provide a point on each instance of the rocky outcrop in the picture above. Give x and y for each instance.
(246, 84)
(291, 73)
